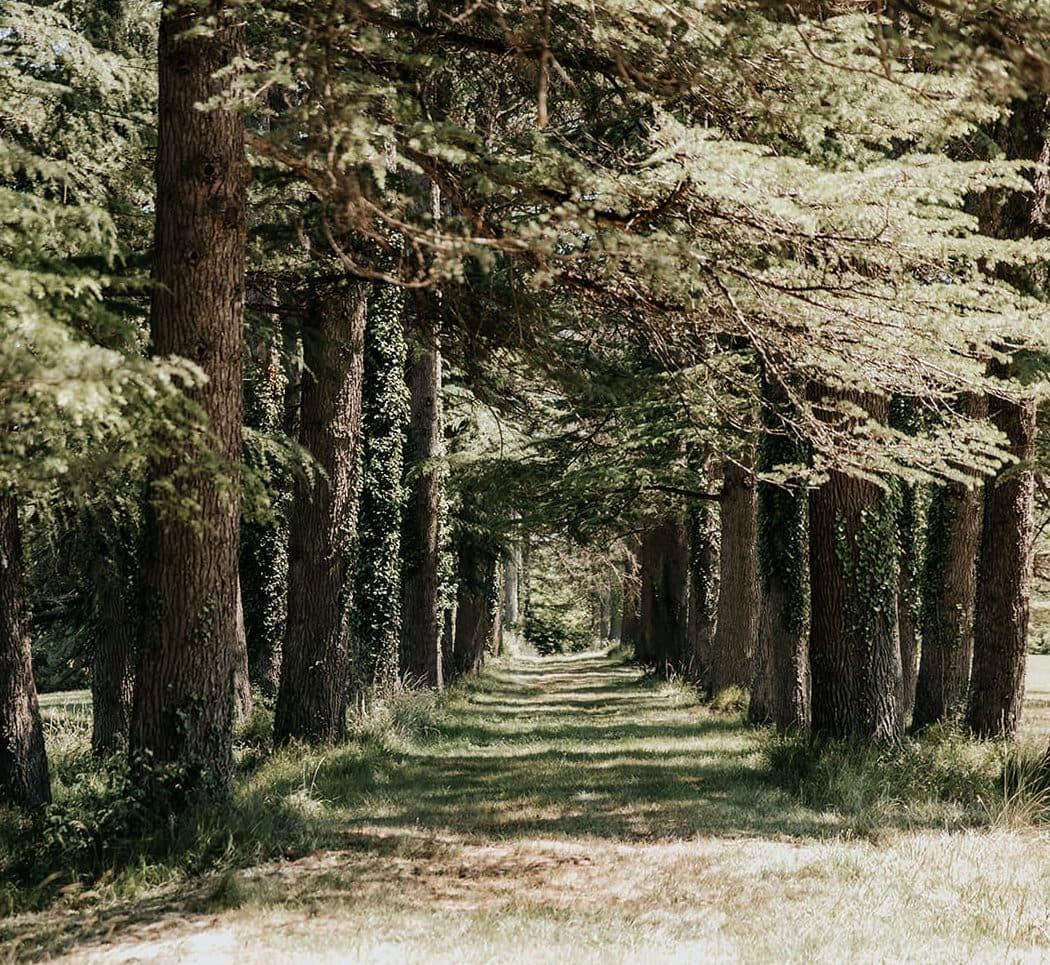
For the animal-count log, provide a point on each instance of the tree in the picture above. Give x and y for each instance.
(664, 633)
(476, 601)
(24, 777)
(118, 623)
(311, 700)
(1003, 579)
(264, 536)
(377, 602)
(853, 642)
(780, 692)
(736, 630)
(183, 704)
(421, 628)
(949, 588)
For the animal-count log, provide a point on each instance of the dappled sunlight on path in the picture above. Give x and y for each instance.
(573, 809)
(583, 745)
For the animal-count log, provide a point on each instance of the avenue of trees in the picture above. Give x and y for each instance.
(342, 342)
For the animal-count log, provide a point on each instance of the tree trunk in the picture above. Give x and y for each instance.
(1007, 533)
(736, 626)
(24, 780)
(183, 703)
(421, 533)
(665, 597)
(475, 569)
(311, 701)
(780, 691)
(1004, 575)
(854, 643)
(703, 588)
(949, 589)
(909, 611)
(112, 679)
(264, 544)
(377, 605)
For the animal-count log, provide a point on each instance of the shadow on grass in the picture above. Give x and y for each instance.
(572, 747)
(581, 746)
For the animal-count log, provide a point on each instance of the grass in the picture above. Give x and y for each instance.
(571, 809)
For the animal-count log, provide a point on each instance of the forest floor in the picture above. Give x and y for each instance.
(571, 809)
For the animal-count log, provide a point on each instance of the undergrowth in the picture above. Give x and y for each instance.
(942, 776)
(99, 837)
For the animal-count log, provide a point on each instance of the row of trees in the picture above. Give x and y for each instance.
(388, 286)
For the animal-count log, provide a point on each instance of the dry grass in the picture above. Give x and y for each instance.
(570, 811)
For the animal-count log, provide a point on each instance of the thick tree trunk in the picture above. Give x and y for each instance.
(311, 701)
(1004, 576)
(475, 570)
(183, 707)
(780, 691)
(377, 604)
(703, 588)
(854, 643)
(24, 780)
(736, 627)
(949, 589)
(1005, 563)
(421, 533)
(112, 677)
(665, 598)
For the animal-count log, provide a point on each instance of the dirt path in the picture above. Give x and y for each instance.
(572, 810)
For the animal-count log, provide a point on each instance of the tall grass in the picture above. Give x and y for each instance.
(99, 833)
(942, 777)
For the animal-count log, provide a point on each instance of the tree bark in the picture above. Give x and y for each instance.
(854, 644)
(421, 636)
(183, 703)
(24, 780)
(703, 588)
(780, 691)
(909, 610)
(1006, 553)
(377, 606)
(949, 592)
(1004, 576)
(264, 544)
(665, 597)
(736, 626)
(311, 700)
(475, 570)
(112, 677)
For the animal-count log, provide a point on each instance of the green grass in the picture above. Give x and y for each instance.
(568, 809)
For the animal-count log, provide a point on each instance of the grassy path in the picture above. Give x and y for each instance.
(569, 810)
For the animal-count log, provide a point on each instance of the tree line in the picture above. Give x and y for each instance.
(319, 316)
